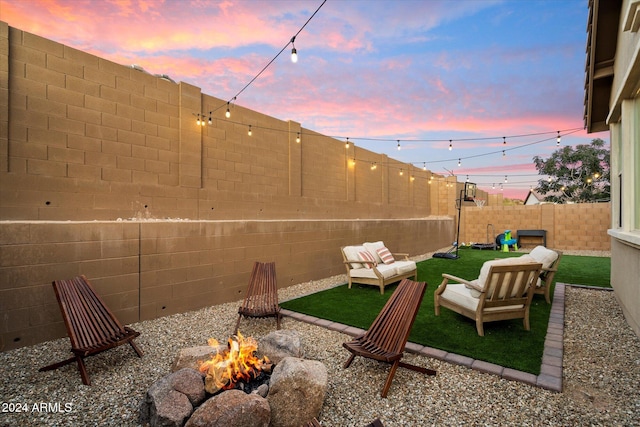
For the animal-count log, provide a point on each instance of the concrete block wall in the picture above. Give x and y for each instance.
(569, 227)
(148, 269)
(83, 138)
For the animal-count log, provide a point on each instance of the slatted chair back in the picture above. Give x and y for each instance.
(91, 326)
(509, 285)
(261, 299)
(390, 330)
(89, 322)
(387, 336)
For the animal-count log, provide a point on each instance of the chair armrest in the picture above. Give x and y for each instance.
(373, 263)
(468, 284)
(401, 255)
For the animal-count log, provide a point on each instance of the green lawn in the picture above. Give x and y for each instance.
(505, 343)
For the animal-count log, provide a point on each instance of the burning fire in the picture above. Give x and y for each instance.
(236, 363)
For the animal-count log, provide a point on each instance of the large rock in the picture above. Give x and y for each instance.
(296, 391)
(171, 399)
(232, 408)
(192, 357)
(280, 344)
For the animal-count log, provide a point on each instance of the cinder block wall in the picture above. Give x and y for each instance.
(569, 227)
(146, 270)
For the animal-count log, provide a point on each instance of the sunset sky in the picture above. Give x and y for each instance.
(422, 72)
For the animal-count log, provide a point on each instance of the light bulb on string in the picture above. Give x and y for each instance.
(504, 140)
(558, 139)
(505, 178)
(198, 120)
(459, 162)
(210, 121)
(294, 52)
(424, 166)
(398, 145)
(467, 178)
(249, 131)
(228, 113)
(450, 145)
(503, 153)
(493, 187)
(401, 172)
(298, 138)
(346, 144)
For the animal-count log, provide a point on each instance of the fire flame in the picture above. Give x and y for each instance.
(236, 363)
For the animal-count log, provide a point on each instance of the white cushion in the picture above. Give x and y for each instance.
(404, 266)
(373, 247)
(543, 255)
(386, 271)
(385, 255)
(351, 252)
(366, 256)
(461, 295)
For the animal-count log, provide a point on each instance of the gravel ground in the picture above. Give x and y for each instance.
(601, 375)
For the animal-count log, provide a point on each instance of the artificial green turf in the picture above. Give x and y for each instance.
(505, 343)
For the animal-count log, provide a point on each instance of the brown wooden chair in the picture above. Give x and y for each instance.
(503, 291)
(91, 326)
(388, 334)
(262, 294)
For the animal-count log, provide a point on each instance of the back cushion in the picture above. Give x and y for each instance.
(544, 256)
(373, 247)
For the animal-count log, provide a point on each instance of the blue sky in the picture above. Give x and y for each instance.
(422, 72)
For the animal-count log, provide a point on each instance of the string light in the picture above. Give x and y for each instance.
(450, 145)
(198, 122)
(249, 132)
(504, 140)
(459, 162)
(505, 178)
(210, 121)
(503, 153)
(401, 172)
(493, 187)
(398, 145)
(467, 178)
(294, 52)
(558, 139)
(298, 138)
(413, 178)
(346, 144)
(228, 113)
(374, 166)
(424, 166)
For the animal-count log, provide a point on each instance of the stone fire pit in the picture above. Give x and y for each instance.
(293, 395)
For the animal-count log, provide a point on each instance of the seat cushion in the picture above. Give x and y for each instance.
(386, 271)
(543, 255)
(404, 266)
(373, 247)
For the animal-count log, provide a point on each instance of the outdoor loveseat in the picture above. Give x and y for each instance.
(373, 264)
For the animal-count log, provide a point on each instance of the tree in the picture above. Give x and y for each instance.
(577, 175)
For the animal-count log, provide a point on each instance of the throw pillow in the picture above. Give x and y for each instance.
(385, 255)
(366, 256)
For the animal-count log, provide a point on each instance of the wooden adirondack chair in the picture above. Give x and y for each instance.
(503, 291)
(91, 326)
(388, 334)
(262, 294)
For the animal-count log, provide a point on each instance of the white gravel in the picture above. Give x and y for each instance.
(601, 375)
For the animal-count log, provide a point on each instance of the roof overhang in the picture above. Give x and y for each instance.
(602, 38)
